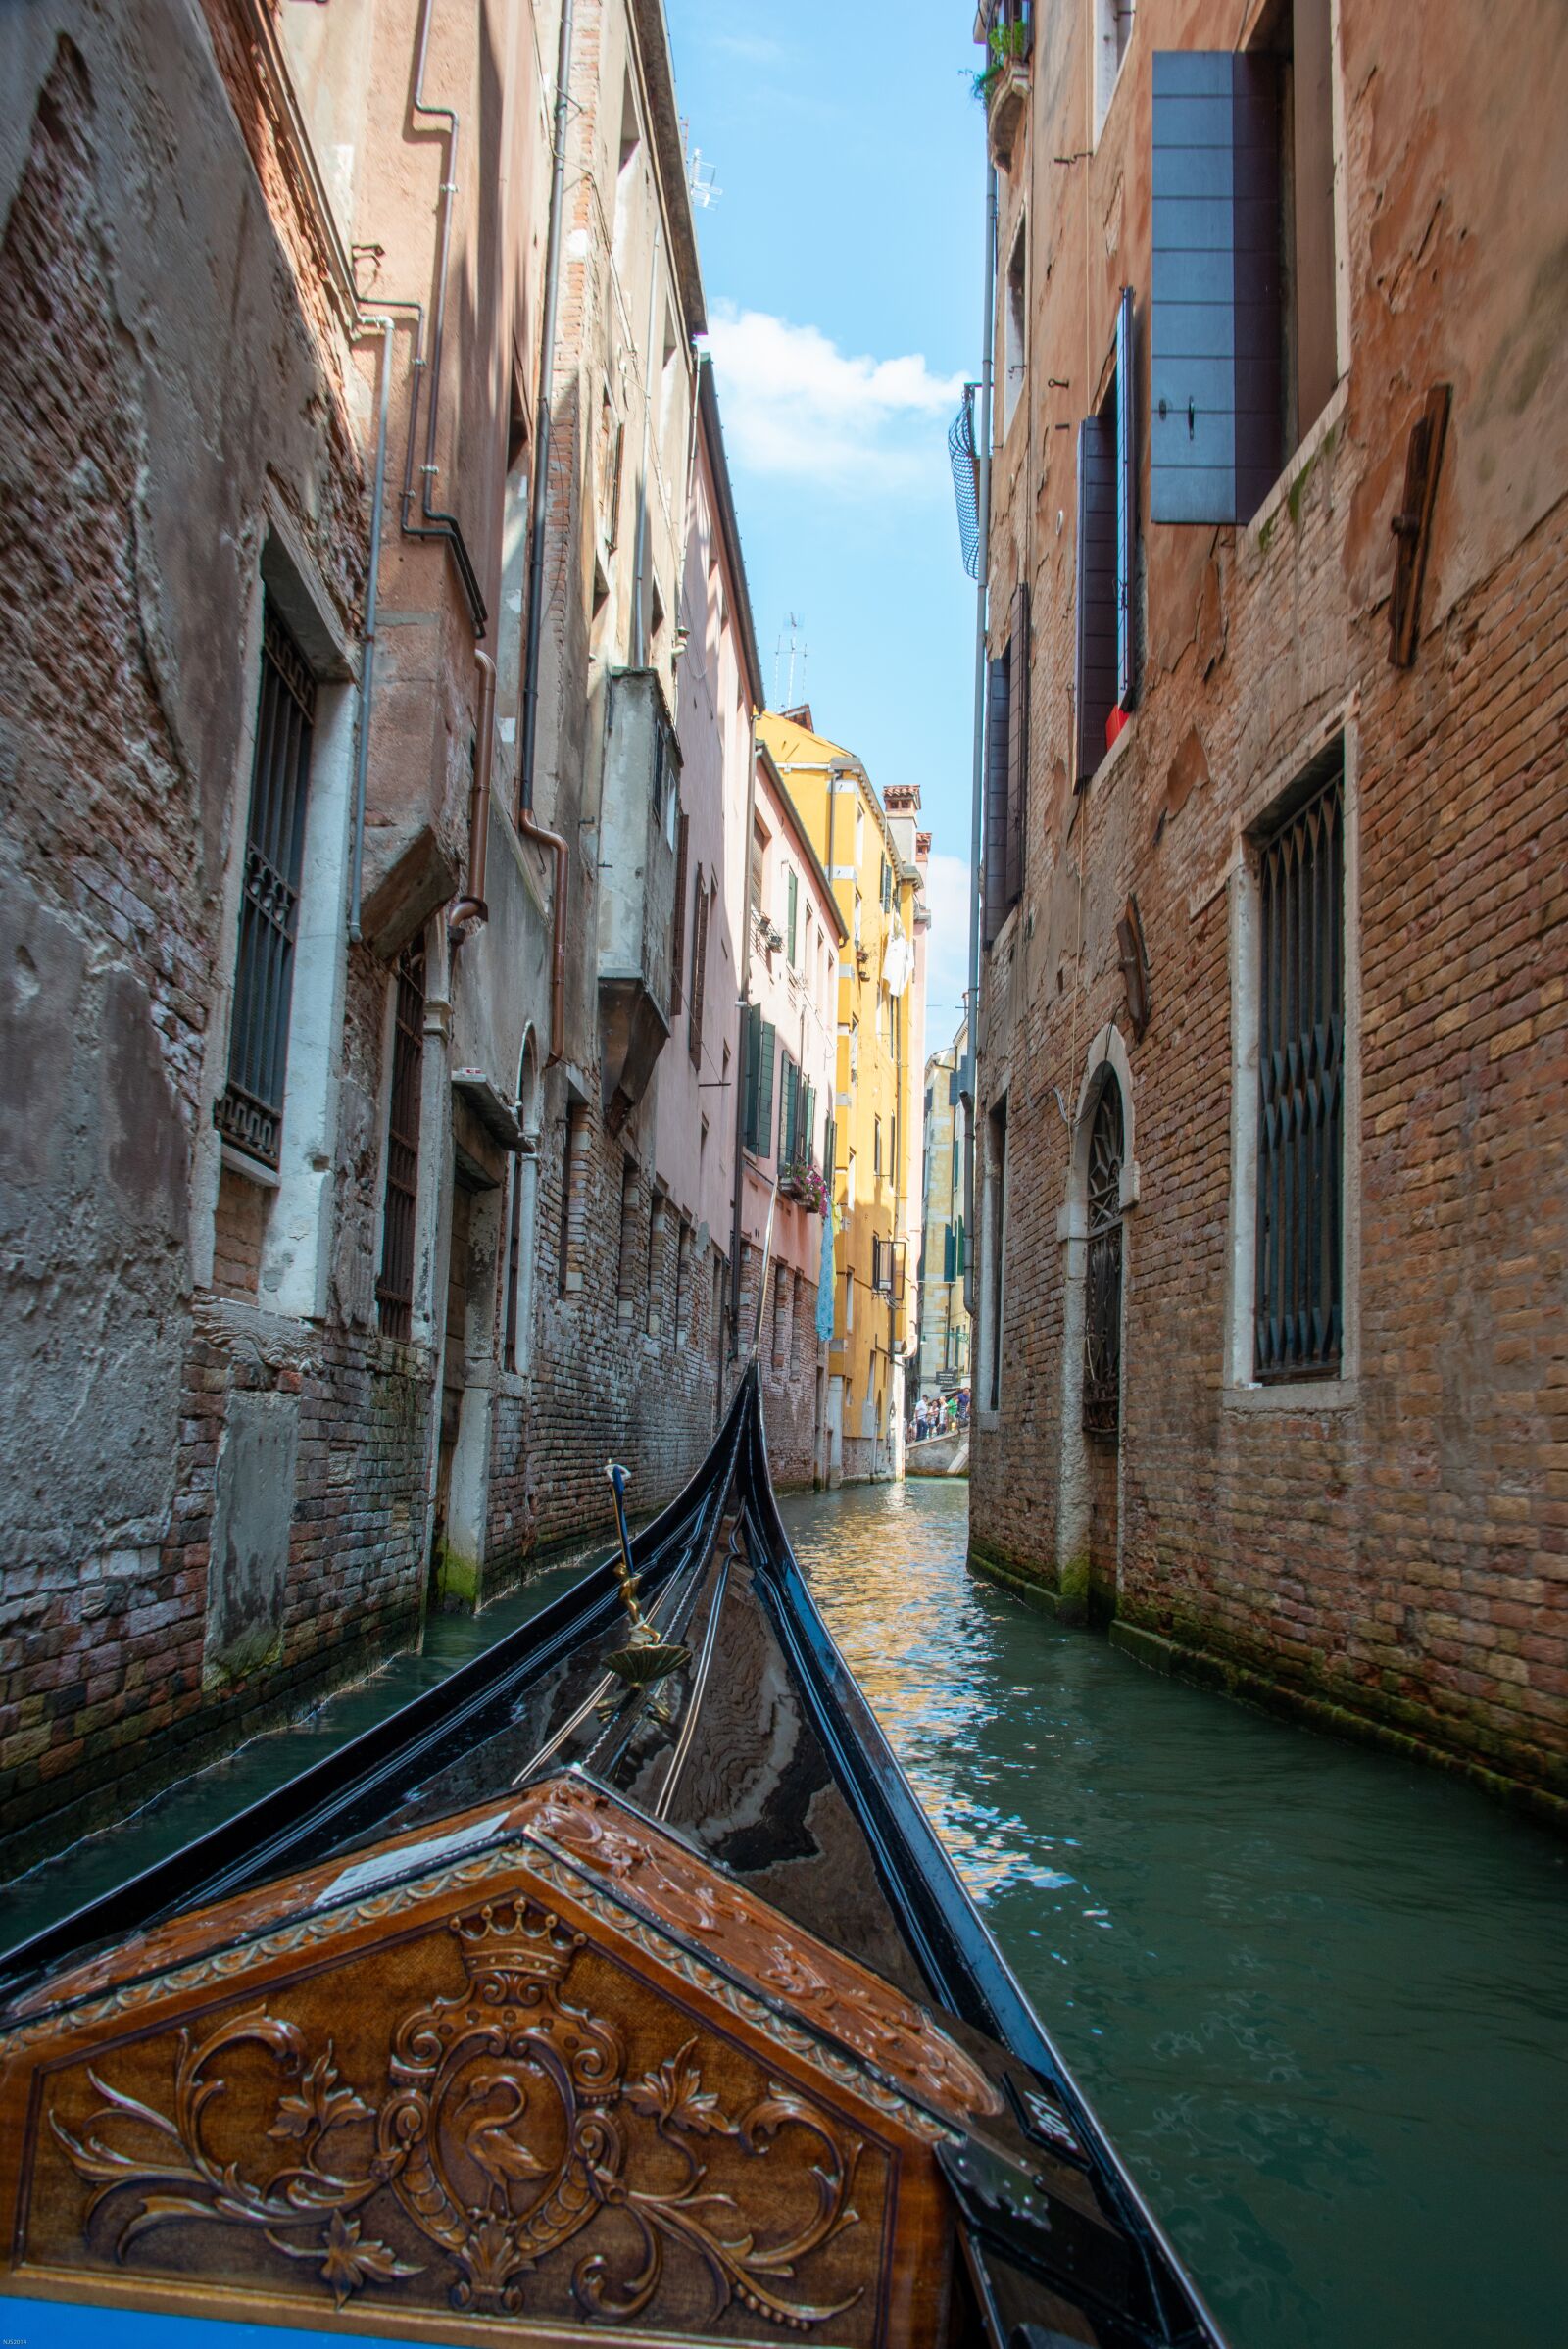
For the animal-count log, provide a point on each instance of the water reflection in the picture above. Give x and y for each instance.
(1318, 1995)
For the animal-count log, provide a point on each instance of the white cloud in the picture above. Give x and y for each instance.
(947, 950)
(796, 405)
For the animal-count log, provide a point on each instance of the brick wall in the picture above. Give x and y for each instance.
(1394, 1557)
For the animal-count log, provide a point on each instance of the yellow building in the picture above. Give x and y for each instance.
(871, 860)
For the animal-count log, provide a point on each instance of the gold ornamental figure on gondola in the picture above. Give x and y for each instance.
(645, 1659)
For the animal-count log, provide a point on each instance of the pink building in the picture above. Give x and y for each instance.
(787, 1123)
(718, 687)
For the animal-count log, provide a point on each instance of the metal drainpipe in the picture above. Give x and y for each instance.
(740, 1061)
(527, 823)
(383, 326)
(471, 910)
(436, 525)
(640, 572)
(977, 826)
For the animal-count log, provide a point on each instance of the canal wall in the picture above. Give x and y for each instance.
(1337, 1475)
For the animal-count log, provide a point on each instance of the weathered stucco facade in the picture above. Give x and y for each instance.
(1349, 1494)
(339, 1251)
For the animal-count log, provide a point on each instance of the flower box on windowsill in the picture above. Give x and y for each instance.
(1007, 89)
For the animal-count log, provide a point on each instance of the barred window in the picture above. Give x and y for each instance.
(1103, 1301)
(1299, 1300)
(394, 1289)
(250, 1113)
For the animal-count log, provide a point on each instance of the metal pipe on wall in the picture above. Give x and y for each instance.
(527, 823)
(539, 501)
(639, 600)
(737, 1217)
(471, 908)
(436, 525)
(977, 823)
(383, 326)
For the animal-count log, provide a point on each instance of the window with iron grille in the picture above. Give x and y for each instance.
(1298, 1302)
(1103, 1301)
(250, 1113)
(394, 1289)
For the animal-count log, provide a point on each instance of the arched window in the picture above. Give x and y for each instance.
(1103, 1301)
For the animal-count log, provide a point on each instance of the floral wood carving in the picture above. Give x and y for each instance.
(508, 2127)
(856, 2007)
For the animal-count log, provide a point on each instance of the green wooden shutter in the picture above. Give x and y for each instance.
(763, 1144)
(789, 1108)
(754, 1072)
(950, 1255)
(792, 904)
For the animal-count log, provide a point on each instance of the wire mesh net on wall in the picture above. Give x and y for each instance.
(967, 481)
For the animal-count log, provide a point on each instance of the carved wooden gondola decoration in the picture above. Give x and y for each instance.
(573, 1997)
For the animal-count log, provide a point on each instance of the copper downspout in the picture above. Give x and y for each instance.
(471, 908)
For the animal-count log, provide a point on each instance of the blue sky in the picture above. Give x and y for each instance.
(843, 263)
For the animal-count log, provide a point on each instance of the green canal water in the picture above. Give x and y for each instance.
(1318, 1998)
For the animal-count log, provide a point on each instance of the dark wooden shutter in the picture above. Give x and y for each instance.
(1214, 398)
(1017, 740)
(1097, 589)
(996, 834)
(1126, 498)
(830, 1149)
(950, 1255)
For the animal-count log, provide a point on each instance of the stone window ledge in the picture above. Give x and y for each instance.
(1295, 1395)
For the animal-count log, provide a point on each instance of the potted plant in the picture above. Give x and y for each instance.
(804, 1183)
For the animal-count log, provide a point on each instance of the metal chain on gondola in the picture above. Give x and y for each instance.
(647, 1658)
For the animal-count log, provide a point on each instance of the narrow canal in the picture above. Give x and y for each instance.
(1317, 1997)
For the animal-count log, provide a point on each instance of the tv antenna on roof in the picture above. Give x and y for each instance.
(702, 184)
(790, 640)
(702, 181)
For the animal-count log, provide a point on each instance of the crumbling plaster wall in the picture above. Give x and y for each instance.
(165, 407)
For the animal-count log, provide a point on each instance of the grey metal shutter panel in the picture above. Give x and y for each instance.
(1017, 741)
(995, 844)
(1097, 589)
(1126, 496)
(1215, 386)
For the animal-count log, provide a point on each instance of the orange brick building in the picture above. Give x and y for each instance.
(1271, 1364)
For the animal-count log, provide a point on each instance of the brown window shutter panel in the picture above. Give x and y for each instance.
(1017, 741)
